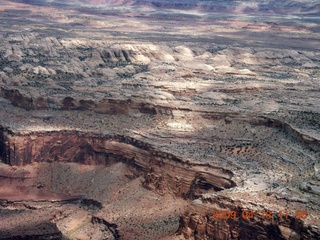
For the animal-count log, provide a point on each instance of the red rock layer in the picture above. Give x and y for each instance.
(163, 172)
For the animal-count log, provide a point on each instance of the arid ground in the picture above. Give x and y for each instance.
(159, 119)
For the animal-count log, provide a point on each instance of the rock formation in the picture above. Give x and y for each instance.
(159, 120)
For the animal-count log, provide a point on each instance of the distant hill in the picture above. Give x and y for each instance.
(249, 6)
(244, 6)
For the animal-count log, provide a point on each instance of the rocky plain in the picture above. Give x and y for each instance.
(145, 119)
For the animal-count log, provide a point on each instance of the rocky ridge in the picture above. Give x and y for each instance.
(142, 123)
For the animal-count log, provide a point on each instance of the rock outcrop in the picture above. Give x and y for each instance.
(117, 120)
(232, 220)
(209, 216)
(163, 172)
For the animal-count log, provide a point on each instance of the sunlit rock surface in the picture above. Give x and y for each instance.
(159, 120)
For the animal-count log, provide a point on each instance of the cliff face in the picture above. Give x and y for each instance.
(207, 217)
(202, 221)
(122, 117)
(163, 172)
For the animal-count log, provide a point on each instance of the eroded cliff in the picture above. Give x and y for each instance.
(148, 120)
(163, 172)
(202, 214)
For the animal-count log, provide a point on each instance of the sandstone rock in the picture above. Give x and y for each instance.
(194, 179)
(26, 67)
(7, 70)
(52, 71)
(108, 73)
(3, 78)
(221, 60)
(216, 96)
(14, 58)
(311, 187)
(164, 109)
(40, 70)
(52, 84)
(95, 60)
(18, 81)
(288, 233)
(183, 53)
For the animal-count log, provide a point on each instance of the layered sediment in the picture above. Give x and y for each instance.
(148, 120)
(163, 172)
(207, 216)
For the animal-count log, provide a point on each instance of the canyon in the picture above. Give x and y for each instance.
(159, 120)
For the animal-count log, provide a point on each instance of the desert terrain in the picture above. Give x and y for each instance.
(142, 119)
